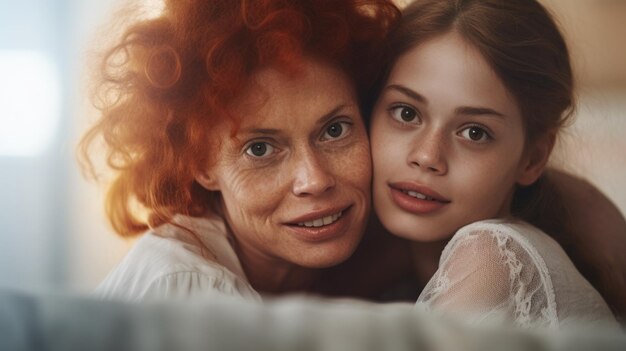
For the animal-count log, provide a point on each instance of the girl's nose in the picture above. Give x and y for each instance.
(428, 153)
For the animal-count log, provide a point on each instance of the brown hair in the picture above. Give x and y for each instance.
(521, 42)
(169, 79)
(523, 45)
(518, 39)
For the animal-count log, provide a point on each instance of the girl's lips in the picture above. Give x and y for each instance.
(417, 199)
(418, 188)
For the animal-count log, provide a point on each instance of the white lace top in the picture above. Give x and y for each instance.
(511, 271)
(173, 262)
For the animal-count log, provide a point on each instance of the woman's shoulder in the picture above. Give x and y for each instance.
(177, 259)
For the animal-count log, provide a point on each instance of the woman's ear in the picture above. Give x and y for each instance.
(535, 160)
(208, 181)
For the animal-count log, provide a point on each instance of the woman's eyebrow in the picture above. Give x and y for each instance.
(332, 113)
(266, 131)
(408, 92)
(274, 131)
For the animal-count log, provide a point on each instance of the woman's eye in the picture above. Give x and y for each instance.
(260, 149)
(476, 134)
(404, 114)
(336, 130)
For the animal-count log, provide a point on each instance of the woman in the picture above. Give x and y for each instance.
(236, 127)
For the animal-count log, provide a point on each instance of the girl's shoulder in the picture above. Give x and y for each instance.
(535, 263)
(514, 248)
(492, 267)
(515, 234)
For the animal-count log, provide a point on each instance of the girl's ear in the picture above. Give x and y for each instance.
(208, 181)
(535, 160)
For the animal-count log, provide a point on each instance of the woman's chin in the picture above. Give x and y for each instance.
(328, 256)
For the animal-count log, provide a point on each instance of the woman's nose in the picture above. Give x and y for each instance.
(311, 176)
(429, 153)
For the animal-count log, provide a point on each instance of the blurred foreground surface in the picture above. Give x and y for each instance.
(56, 322)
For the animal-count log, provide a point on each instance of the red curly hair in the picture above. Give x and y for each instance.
(169, 79)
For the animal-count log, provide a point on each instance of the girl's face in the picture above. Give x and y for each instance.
(447, 142)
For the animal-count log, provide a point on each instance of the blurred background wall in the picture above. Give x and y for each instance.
(53, 234)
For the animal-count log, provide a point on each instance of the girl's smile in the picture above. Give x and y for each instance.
(416, 198)
(447, 142)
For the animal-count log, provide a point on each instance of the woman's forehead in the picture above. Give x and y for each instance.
(312, 91)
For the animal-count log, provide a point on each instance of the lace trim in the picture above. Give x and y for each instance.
(518, 288)
(439, 284)
(523, 299)
(506, 234)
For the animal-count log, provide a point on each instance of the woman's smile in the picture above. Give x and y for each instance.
(321, 225)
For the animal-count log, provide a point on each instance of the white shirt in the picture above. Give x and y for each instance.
(511, 271)
(173, 262)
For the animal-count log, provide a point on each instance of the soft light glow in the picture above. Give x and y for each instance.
(30, 102)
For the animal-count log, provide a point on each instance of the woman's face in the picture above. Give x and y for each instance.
(447, 142)
(295, 179)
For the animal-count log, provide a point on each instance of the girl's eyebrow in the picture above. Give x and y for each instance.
(408, 92)
(477, 111)
(462, 110)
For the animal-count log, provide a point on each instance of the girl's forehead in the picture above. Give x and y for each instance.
(451, 69)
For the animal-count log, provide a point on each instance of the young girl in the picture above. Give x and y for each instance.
(466, 120)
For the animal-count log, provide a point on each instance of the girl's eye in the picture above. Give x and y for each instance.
(404, 114)
(336, 130)
(260, 149)
(476, 134)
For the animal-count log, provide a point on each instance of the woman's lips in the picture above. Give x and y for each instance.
(417, 199)
(321, 225)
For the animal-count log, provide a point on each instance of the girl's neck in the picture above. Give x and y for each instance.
(426, 255)
(426, 259)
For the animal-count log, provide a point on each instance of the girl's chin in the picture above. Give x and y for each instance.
(418, 231)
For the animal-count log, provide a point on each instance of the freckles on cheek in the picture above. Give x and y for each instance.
(503, 165)
(356, 165)
(490, 181)
(255, 192)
